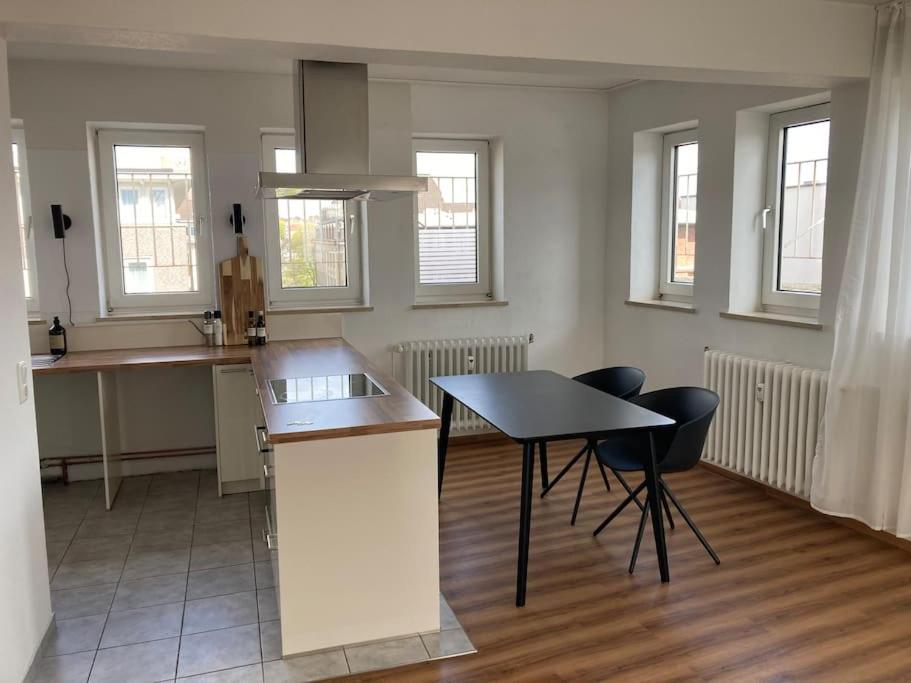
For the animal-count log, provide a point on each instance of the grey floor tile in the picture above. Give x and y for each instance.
(140, 663)
(227, 500)
(261, 552)
(162, 503)
(220, 532)
(142, 625)
(61, 532)
(386, 654)
(163, 540)
(207, 583)
(223, 611)
(268, 605)
(95, 527)
(82, 602)
(221, 555)
(264, 576)
(75, 635)
(314, 667)
(270, 636)
(143, 563)
(55, 552)
(243, 674)
(215, 650)
(90, 573)
(447, 643)
(154, 590)
(213, 514)
(102, 548)
(448, 619)
(165, 520)
(72, 668)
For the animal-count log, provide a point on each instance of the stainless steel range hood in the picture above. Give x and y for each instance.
(332, 136)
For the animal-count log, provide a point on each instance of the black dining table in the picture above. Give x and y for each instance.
(538, 406)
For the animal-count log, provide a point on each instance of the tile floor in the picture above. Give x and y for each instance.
(174, 583)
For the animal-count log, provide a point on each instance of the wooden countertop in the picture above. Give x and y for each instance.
(168, 356)
(397, 412)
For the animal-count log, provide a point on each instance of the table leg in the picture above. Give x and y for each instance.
(528, 472)
(651, 482)
(542, 454)
(443, 441)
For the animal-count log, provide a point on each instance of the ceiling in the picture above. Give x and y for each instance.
(270, 64)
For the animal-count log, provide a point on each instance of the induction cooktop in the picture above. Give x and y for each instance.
(325, 388)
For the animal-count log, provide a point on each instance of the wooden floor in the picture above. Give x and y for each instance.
(796, 597)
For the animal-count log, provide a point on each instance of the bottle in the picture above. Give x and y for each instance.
(218, 328)
(251, 329)
(261, 330)
(208, 328)
(57, 335)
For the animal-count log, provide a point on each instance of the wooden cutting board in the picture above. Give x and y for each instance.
(240, 289)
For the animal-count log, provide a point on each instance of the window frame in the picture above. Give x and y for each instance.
(32, 303)
(309, 297)
(774, 300)
(667, 288)
(458, 292)
(117, 300)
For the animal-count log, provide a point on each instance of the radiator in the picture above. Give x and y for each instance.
(768, 419)
(421, 360)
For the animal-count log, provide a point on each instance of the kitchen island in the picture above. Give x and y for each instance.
(352, 515)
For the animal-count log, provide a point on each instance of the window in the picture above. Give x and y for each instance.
(155, 205)
(678, 214)
(452, 219)
(312, 245)
(24, 216)
(794, 219)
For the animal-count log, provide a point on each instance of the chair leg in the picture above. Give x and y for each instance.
(588, 457)
(603, 473)
(619, 508)
(642, 518)
(690, 522)
(562, 472)
(667, 508)
(625, 484)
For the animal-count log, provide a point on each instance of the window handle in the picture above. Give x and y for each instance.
(28, 228)
(765, 217)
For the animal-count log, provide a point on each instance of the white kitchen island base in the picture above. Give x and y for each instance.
(357, 536)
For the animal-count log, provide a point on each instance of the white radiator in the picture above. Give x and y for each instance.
(768, 419)
(421, 360)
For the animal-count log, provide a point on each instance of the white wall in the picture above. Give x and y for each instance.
(24, 596)
(669, 344)
(551, 147)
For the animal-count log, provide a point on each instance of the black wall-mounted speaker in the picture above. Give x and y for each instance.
(237, 219)
(60, 221)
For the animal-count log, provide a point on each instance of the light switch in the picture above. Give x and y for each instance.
(22, 370)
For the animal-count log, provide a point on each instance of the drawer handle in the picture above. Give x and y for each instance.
(272, 541)
(261, 438)
(268, 471)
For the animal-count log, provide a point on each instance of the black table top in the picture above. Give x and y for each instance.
(540, 404)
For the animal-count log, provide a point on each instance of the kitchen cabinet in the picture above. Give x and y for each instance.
(236, 414)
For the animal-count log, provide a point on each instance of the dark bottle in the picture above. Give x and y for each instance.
(261, 330)
(57, 335)
(251, 329)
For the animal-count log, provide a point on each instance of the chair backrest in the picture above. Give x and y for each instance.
(680, 447)
(622, 382)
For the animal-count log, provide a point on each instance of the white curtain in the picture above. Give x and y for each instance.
(862, 468)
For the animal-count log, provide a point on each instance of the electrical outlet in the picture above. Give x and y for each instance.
(760, 392)
(22, 370)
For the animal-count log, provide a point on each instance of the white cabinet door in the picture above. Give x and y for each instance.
(235, 417)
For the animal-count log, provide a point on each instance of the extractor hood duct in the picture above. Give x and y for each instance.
(332, 136)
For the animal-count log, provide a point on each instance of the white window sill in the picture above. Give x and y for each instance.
(37, 321)
(680, 306)
(458, 304)
(805, 322)
(143, 317)
(317, 309)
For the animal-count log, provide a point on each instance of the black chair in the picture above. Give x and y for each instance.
(677, 449)
(622, 382)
